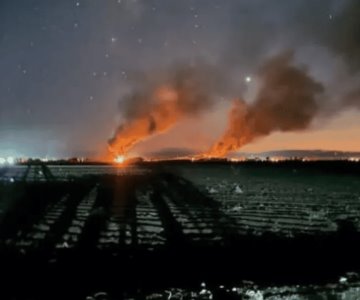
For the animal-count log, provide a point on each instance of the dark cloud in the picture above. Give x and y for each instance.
(344, 34)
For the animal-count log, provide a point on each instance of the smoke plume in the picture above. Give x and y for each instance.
(157, 105)
(286, 101)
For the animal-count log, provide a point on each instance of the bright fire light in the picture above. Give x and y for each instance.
(119, 159)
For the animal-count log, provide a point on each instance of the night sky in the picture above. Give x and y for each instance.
(65, 66)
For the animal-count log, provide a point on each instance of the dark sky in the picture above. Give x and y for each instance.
(64, 65)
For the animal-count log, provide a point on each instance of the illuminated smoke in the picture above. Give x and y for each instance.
(154, 107)
(286, 101)
(288, 98)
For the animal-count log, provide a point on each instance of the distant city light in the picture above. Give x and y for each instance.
(248, 79)
(354, 159)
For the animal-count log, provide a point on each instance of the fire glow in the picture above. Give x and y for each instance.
(119, 159)
(288, 99)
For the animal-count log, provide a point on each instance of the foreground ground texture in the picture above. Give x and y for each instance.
(135, 232)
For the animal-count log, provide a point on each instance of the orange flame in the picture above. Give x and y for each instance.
(232, 140)
(287, 100)
(163, 115)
